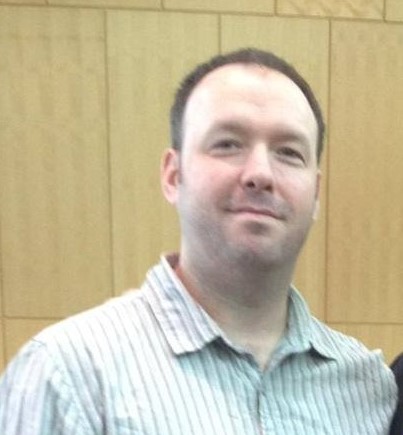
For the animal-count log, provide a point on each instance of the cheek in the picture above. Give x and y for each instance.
(300, 191)
(208, 176)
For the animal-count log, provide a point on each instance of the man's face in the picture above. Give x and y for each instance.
(246, 181)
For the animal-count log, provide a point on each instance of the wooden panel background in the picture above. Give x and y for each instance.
(372, 9)
(55, 212)
(86, 88)
(2, 360)
(365, 201)
(244, 6)
(394, 10)
(153, 4)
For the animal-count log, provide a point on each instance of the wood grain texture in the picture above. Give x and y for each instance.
(394, 10)
(54, 168)
(246, 6)
(369, 9)
(23, 2)
(365, 218)
(148, 55)
(2, 359)
(1, 271)
(150, 4)
(388, 338)
(19, 331)
(304, 43)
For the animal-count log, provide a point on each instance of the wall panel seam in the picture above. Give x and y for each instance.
(348, 323)
(220, 33)
(327, 162)
(109, 154)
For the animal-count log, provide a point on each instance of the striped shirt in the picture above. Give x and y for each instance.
(153, 362)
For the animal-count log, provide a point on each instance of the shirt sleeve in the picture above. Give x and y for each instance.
(36, 397)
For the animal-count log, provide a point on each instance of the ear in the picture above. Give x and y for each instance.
(170, 174)
(316, 209)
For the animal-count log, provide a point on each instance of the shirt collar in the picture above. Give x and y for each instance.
(305, 332)
(188, 328)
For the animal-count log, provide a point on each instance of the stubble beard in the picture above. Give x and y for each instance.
(212, 241)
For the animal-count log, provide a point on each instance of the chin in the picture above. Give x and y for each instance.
(255, 255)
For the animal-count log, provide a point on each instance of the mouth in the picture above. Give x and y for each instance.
(258, 212)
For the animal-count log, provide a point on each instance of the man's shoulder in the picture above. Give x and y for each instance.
(97, 329)
(353, 358)
(327, 340)
(342, 346)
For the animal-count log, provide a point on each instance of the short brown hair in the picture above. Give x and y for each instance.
(244, 56)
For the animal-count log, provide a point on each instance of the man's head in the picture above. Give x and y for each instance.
(246, 180)
(244, 56)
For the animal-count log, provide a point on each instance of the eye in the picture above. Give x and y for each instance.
(226, 146)
(291, 155)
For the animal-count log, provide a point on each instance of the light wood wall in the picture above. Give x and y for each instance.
(85, 89)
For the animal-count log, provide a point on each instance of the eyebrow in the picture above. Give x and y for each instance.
(292, 135)
(232, 126)
(283, 131)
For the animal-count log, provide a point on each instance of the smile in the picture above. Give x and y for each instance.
(254, 211)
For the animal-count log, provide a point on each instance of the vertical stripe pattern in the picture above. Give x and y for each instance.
(152, 362)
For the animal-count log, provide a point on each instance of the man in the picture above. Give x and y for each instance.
(217, 341)
(397, 368)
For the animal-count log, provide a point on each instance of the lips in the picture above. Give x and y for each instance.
(261, 210)
(257, 211)
(258, 205)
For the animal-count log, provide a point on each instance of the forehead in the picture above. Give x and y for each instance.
(247, 89)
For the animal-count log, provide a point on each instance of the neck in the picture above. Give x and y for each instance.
(249, 303)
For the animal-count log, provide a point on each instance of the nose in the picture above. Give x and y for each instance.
(257, 174)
